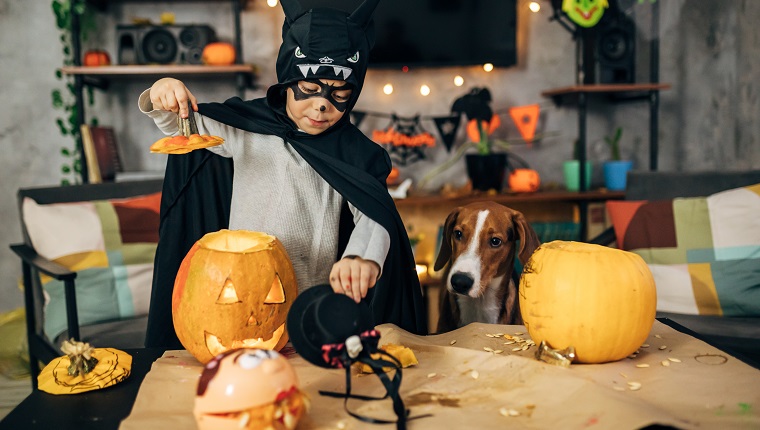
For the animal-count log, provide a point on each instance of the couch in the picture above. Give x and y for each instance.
(700, 234)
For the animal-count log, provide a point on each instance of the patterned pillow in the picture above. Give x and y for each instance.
(110, 243)
(704, 252)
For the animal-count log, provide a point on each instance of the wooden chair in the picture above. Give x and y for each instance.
(124, 333)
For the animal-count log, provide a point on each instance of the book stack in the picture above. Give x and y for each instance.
(101, 153)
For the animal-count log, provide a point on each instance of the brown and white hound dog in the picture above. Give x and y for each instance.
(479, 245)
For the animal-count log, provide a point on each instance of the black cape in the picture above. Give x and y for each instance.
(196, 200)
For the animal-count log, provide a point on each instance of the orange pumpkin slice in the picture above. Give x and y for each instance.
(182, 144)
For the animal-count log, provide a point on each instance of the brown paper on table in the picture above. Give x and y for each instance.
(707, 389)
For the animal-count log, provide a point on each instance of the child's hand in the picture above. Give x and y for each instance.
(354, 277)
(172, 95)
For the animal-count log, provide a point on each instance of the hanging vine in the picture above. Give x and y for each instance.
(65, 99)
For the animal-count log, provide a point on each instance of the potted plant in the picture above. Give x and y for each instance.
(616, 170)
(486, 167)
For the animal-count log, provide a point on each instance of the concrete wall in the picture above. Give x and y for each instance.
(709, 53)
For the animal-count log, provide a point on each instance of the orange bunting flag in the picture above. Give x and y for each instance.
(526, 119)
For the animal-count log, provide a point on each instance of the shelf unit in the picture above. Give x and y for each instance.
(99, 76)
(579, 95)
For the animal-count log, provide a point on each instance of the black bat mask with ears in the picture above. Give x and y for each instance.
(323, 43)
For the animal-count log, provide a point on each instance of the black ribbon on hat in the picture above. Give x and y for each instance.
(360, 349)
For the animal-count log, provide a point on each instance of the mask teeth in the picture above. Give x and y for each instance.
(305, 68)
(346, 71)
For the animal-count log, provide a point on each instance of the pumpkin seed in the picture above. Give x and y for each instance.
(633, 386)
(658, 336)
(498, 351)
(453, 342)
(642, 365)
(674, 360)
(430, 375)
(663, 347)
(616, 388)
(665, 363)
(488, 349)
(474, 374)
(645, 345)
(509, 343)
(519, 348)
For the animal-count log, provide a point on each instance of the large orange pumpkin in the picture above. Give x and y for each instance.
(233, 290)
(599, 300)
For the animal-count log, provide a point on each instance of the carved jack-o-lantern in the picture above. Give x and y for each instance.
(233, 290)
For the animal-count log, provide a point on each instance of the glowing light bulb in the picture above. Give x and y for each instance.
(271, 3)
(534, 6)
(458, 81)
(425, 90)
(388, 89)
(488, 67)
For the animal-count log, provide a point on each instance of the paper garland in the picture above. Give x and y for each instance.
(526, 119)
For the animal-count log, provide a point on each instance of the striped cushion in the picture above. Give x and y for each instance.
(110, 243)
(704, 252)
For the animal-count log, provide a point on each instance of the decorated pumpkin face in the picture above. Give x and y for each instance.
(233, 290)
(524, 181)
(248, 389)
(585, 13)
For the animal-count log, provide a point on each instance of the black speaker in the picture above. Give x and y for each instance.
(615, 49)
(162, 44)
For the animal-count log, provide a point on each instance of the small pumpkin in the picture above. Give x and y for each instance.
(599, 300)
(524, 180)
(234, 289)
(182, 144)
(218, 54)
(84, 368)
(96, 57)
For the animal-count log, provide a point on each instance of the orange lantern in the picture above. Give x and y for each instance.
(233, 290)
(524, 180)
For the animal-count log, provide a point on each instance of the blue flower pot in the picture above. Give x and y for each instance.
(615, 174)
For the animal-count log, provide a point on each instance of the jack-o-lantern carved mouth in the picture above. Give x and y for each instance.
(215, 345)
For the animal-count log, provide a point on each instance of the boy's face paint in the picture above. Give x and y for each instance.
(338, 96)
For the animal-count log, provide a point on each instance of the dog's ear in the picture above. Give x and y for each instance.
(528, 237)
(444, 254)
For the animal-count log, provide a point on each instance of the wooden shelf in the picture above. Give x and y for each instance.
(541, 196)
(158, 70)
(619, 92)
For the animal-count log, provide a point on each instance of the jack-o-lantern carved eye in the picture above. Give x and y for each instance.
(228, 294)
(276, 293)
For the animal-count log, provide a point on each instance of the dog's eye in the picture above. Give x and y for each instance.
(495, 242)
(458, 234)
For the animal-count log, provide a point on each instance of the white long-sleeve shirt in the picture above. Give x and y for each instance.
(275, 191)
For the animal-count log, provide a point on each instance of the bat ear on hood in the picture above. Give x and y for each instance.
(292, 9)
(363, 14)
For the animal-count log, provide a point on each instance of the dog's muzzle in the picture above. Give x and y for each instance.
(461, 283)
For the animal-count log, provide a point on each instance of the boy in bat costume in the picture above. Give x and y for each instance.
(302, 172)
